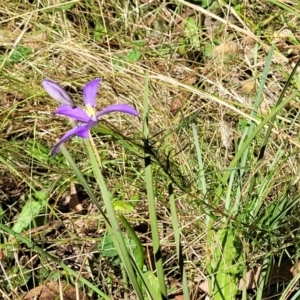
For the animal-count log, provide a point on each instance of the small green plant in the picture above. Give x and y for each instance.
(16, 55)
(30, 211)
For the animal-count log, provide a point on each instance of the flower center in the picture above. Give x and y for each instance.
(90, 111)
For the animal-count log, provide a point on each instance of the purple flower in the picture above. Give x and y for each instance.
(87, 117)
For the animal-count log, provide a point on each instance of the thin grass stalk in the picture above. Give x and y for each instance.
(263, 277)
(256, 104)
(149, 287)
(280, 99)
(237, 178)
(249, 140)
(237, 173)
(125, 281)
(201, 180)
(264, 183)
(244, 291)
(117, 233)
(291, 288)
(140, 250)
(226, 236)
(209, 219)
(154, 225)
(46, 255)
(131, 232)
(176, 230)
(247, 131)
(151, 199)
(87, 187)
(82, 180)
(271, 124)
(286, 7)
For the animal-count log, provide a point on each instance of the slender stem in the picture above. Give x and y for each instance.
(116, 231)
(95, 151)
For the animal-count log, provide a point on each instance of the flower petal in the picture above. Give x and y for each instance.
(90, 92)
(82, 131)
(123, 108)
(92, 123)
(75, 113)
(57, 92)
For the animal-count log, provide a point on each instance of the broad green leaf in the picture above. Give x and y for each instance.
(63, 7)
(153, 281)
(29, 211)
(208, 50)
(134, 55)
(123, 207)
(140, 43)
(107, 248)
(19, 54)
(192, 32)
(18, 276)
(182, 46)
(228, 264)
(99, 32)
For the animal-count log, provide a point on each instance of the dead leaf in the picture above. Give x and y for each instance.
(228, 48)
(179, 297)
(204, 286)
(251, 279)
(72, 200)
(225, 130)
(51, 291)
(176, 105)
(295, 269)
(248, 87)
(191, 79)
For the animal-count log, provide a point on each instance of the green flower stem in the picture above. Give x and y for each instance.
(117, 233)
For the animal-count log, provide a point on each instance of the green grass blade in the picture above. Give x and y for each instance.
(139, 246)
(117, 233)
(112, 229)
(272, 120)
(151, 200)
(83, 181)
(176, 230)
(209, 220)
(237, 175)
(250, 138)
(202, 181)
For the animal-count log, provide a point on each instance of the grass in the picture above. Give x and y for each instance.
(194, 197)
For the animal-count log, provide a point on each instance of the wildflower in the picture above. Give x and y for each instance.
(87, 117)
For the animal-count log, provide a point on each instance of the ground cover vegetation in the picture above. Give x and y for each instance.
(192, 193)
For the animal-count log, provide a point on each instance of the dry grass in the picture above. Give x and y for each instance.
(213, 85)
